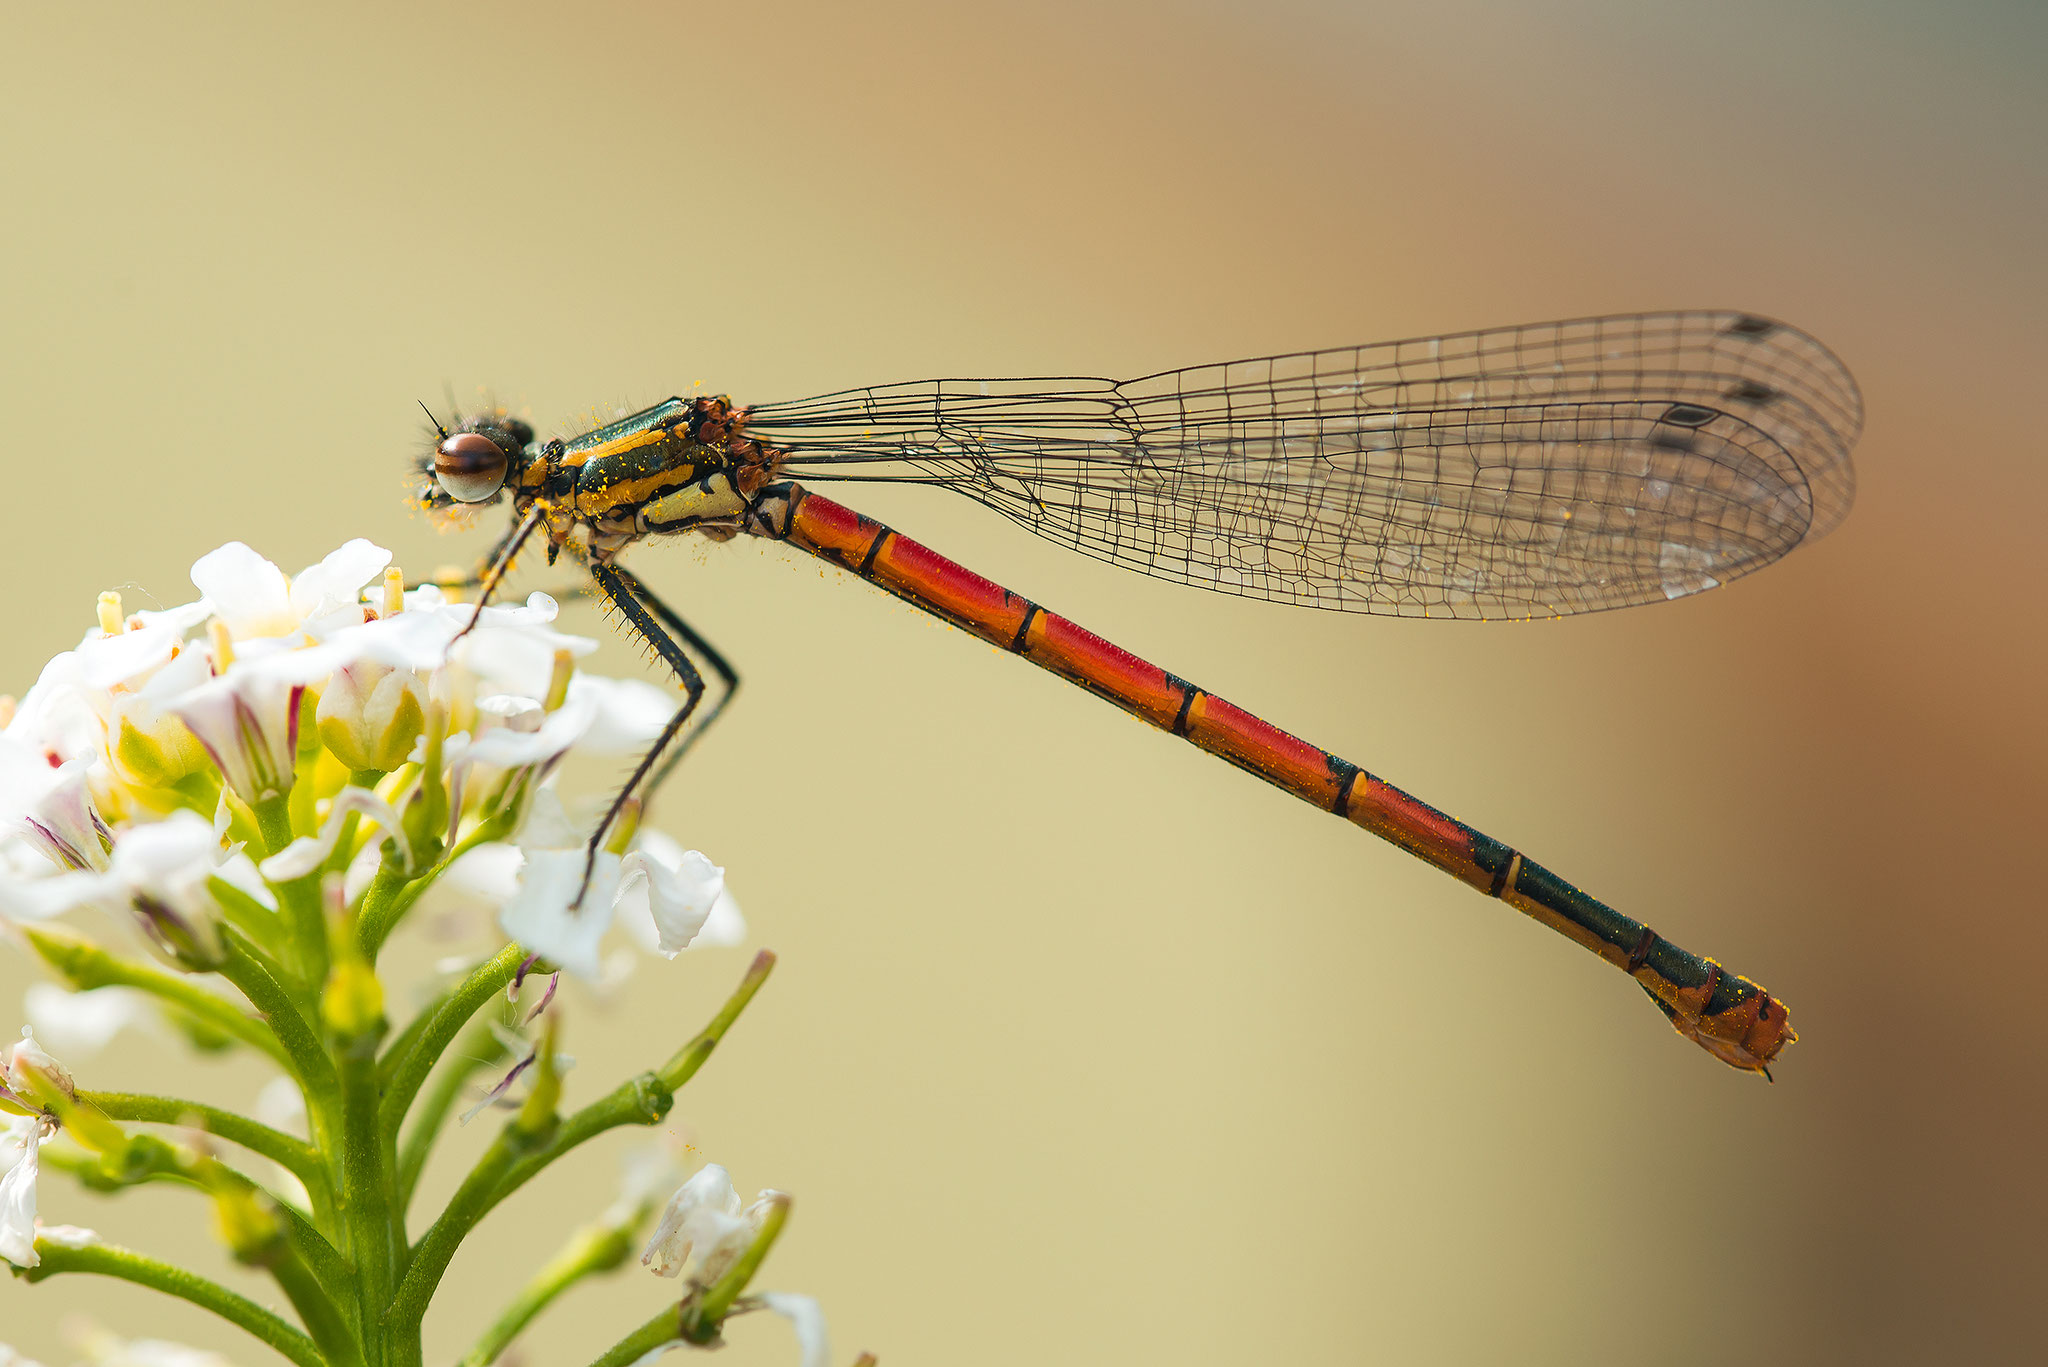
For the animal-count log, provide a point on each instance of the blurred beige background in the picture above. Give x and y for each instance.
(1084, 1047)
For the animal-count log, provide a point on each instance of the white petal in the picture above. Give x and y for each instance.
(53, 807)
(630, 712)
(489, 872)
(539, 916)
(246, 590)
(175, 853)
(308, 853)
(105, 661)
(516, 656)
(807, 1319)
(10, 1357)
(190, 669)
(180, 619)
(659, 1351)
(709, 1191)
(502, 745)
(19, 1132)
(38, 899)
(56, 717)
(548, 825)
(416, 641)
(725, 925)
(337, 581)
(719, 1239)
(245, 719)
(83, 1022)
(510, 710)
(18, 1207)
(679, 897)
(239, 870)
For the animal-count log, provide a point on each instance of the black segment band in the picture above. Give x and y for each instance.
(1024, 627)
(867, 562)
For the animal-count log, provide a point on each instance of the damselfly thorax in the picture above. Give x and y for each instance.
(684, 465)
(1518, 472)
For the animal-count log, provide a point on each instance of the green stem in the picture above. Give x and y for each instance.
(637, 1101)
(85, 965)
(294, 1155)
(430, 1256)
(260, 923)
(302, 1050)
(345, 845)
(515, 1157)
(298, 901)
(317, 1311)
(476, 1050)
(411, 1069)
(645, 1099)
(307, 1056)
(149, 1158)
(642, 1341)
(108, 1260)
(688, 1059)
(384, 908)
(366, 1193)
(592, 1250)
(401, 1044)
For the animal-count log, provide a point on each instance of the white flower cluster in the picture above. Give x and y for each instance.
(146, 764)
(134, 773)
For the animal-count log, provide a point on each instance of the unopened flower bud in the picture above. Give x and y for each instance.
(151, 748)
(370, 715)
(352, 1003)
(246, 1224)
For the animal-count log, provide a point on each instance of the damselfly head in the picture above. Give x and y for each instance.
(471, 465)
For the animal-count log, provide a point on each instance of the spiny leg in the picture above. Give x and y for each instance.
(728, 677)
(621, 594)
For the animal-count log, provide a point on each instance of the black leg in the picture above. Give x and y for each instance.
(620, 592)
(728, 677)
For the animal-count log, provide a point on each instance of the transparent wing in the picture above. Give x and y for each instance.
(1529, 471)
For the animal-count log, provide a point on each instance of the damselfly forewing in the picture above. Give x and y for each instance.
(1519, 472)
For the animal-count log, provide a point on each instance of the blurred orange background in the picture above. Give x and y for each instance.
(1085, 1048)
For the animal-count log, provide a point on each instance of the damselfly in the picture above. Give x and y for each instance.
(1521, 472)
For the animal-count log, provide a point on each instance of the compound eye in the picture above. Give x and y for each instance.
(470, 467)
